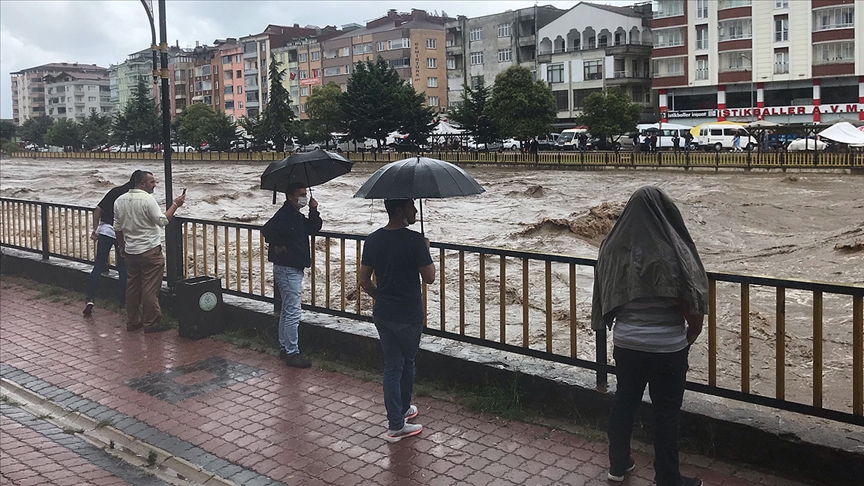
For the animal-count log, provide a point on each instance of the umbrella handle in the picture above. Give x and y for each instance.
(422, 231)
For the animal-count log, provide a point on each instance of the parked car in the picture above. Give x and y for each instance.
(803, 144)
(403, 145)
(510, 144)
(569, 139)
(718, 137)
(547, 142)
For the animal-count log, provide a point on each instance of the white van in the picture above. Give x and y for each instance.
(665, 134)
(720, 136)
(569, 139)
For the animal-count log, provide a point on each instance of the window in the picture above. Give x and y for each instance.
(398, 44)
(331, 54)
(735, 61)
(302, 107)
(229, 74)
(562, 102)
(834, 18)
(431, 82)
(781, 28)
(332, 71)
(432, 101)
(226, 60)
(91, 98)
(304, 90)
(475, 34)
(178, 75)
(205, 70)
(346, 51)
(778, 4)
(668, 8)
(238, 58)
(724, 4)
(228, 90)
(301, 57)
(505, 55)
(400, 63)
(451, 63)
(238, 74)
(316, 55)
(671, 66)
(380, 47)
(303, 74)
(593, 69)
(781, 61)
(229, 105)
(239, 105)
(347, 69)
(431, 62)
(702, 68)
(360, 49)
(555, 73)
(476, 81)
(579, 96)
(503, 30)
(240, 91)
(316, 73)
(669, 37)
(262, 46)
(701, 37)
(701, 9)
(834, 52)
(476, 58)
(431, 43)
(736, 29)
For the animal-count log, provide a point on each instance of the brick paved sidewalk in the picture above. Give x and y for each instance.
(245, 417)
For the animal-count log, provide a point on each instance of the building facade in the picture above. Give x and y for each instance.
(481, 47)
(783, 61)
(593, 47)
(125, 76)
(28, 87)
(76, 95)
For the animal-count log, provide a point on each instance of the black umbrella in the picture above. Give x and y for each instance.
(418, 178)
(306, 169)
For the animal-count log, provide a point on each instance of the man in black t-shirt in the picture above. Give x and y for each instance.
(397, 255)
(103, 235)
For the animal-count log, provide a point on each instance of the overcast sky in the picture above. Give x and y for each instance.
(35, 32)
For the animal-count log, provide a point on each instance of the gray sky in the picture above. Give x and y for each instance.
(34, 32)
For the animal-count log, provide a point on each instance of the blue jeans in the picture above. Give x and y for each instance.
(103, 248)
(399, 342)
(289, 281)
(665, 374)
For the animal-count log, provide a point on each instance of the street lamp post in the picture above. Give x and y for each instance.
(160, 53)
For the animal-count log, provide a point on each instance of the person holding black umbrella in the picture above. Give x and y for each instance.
(397, 255)
(287, 235)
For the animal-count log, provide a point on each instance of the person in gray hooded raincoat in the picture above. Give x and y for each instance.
(650, 283)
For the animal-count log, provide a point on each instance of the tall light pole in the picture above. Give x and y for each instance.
(160, 52)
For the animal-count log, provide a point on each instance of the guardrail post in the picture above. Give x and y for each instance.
(659, 157)
(815, 157)
(716, 161)
(601, 358)
(748, 156)
(44, 211)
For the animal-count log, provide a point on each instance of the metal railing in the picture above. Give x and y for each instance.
(754, 159)
(788, 344)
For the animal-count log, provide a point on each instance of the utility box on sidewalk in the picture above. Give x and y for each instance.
(199, 306)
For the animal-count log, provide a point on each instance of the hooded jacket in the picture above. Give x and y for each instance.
(648, 253)
(287, 236)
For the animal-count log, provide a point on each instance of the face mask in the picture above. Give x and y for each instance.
(302, 201)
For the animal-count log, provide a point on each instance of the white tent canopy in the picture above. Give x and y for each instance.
(843, 132)
(444, 128)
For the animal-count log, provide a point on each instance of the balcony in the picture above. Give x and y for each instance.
(455, 49)
(251, 54)
(527, 40)
(250, 71)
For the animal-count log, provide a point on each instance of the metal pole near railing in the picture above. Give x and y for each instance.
(44, 217)
(601, 358)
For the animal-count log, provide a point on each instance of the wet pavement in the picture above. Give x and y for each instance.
(239, 416)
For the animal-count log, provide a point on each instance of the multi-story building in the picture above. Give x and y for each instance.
(784, 61)
(125, 76)
(256, 54)
(230, 58)
(180, 80)
(481, 47)
(593, 47)
(301, 58)
(76, 95)
(28, 87)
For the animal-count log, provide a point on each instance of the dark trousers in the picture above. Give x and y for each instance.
(103, 248)
(665, 374)
(399, 343)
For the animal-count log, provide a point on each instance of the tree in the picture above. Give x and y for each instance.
(34, 129)
(139, 122)
(610, 113)
(64, 133)
(370, 103)
(416, 120)
(521, 107)
(95, 130)
(8, 129)
(199, 124)
(472, 113)
(255, 133)
(278, 117)
(325, 112)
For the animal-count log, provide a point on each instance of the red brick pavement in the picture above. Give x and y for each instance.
(308, 427)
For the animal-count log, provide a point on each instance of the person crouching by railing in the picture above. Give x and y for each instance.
(649, 281)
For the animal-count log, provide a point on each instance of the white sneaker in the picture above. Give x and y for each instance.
(407, 430)
(412, 412)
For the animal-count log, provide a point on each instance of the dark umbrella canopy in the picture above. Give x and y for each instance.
(419, 177)
(306, 169)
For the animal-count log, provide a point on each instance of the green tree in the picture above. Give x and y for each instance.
(34, 129)
(278, 117)
(139, 122)
(609, 114)
(95, 130)
(416, 119)
(473, 113)
(370, 103)
(8, 129)
(255, 133)
(521, 107)
(65, 133)
(325, 113)
(199, 124)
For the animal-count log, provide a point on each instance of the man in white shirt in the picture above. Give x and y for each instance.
(138, 223)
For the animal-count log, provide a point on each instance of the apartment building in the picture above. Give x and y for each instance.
(125, 76)
(301, 58)
(257, 49)
(76, 95)
(28, 87)
(784, 61)
(593, 47)
(181, 69)
(481, 47)
(230, 57)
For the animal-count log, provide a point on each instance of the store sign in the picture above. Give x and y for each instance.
(310, 81)
(416, 62)
(768, 111)
(692, 114)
